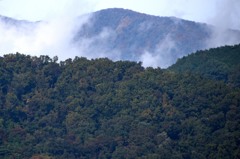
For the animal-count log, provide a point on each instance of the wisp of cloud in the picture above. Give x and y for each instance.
(42, 38)
(226, 18)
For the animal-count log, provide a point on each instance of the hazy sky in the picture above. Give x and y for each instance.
(197, 10)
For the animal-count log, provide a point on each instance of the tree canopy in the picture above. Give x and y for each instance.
(80, 108)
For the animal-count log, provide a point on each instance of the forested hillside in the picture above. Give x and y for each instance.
(81, 108)
(128, 35)
(221, 63)
(133, 33)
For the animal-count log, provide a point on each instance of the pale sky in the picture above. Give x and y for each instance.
(196, 10)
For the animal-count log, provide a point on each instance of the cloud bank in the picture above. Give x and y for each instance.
(44, 38)
(55, 36)
(226, 17)
(162, 56)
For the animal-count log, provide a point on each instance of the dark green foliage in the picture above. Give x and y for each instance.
(102, 109)
(219, 64)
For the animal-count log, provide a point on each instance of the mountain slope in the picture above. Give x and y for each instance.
(221, 63)
(81, 108)
(10, 22)
(137, 36)
(118, 34)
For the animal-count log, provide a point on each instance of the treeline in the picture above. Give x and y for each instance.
(221, 63)
(81, 108)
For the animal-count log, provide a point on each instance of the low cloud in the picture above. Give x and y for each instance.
(43, 38)
(226, 30)
(222, 36)
(99, 45)
(163, 56)
(227, 14)
(56, 37)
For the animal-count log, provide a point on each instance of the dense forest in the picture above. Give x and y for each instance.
(80, 108)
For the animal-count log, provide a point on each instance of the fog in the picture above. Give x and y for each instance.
(162, 56)
(227, 16)
(55, 36)
(45, 38)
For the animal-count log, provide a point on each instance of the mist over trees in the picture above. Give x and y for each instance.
(80, 108)
(118, 34)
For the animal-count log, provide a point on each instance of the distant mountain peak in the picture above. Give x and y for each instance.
(123, 34)
(135, 34)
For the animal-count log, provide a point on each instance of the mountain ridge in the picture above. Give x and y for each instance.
(80, 108)
(219, 64)
(121, 34)
(135, 35)
(115, 19)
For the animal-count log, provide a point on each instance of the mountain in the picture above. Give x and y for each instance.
(80, 108)
(136, 36)
(11, 22)
(118, 34)
(221, 63)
